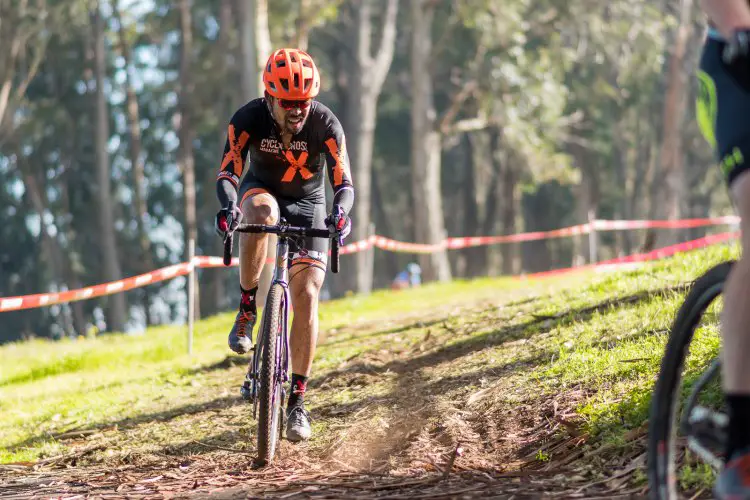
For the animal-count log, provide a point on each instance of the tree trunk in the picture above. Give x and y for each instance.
(185, 157)
(302, 33)
(509, 196)
(364, 87)
(425, 147)
(250, 75)
(118, 311)
(511, 199)
(476, 258)
(262, 37)
(623, 238)
(255, 46)
(23, 37)
(384, 226)
(53, 253)
(136, 162)
(669, 201)
(73, 267)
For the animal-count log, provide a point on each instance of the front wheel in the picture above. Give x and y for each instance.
(269, 396)
(665, 448)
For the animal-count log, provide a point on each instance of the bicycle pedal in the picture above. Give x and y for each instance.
(246, 392)
(705, 418)
(707, 432)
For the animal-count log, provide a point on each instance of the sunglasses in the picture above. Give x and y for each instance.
(291, 104)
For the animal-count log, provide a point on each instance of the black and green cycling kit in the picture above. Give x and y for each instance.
(723, 107)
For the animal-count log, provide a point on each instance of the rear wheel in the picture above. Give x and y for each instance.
(683, 426)
(269, 395)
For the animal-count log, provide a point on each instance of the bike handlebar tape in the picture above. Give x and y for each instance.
(335, 256)
(228, 250)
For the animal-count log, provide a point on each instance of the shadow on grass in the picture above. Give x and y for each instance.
(225, 364)
(412, 397)
(226, 441)
(398, 329)
(426, 387)
(537, 325)
(129, 423)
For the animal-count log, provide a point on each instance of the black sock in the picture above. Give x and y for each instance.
(299, 386)
(247, 303)
(739, 423)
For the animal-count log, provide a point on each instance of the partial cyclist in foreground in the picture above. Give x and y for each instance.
(288, 139)
(724, 115)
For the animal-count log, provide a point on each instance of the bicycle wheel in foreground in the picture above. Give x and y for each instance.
(686, 429)
(269, 404)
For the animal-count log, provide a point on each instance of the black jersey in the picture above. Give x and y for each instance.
(296, 172)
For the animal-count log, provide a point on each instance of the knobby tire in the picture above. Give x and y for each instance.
(664, 417)
(269, 407)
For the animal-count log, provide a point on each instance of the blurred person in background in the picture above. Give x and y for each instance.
(408, 278)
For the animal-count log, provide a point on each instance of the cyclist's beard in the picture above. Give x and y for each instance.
(294, 121)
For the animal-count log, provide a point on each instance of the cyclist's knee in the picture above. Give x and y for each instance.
(261, 209)
(307, 289)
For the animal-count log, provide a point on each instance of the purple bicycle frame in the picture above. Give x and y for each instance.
(280, 277)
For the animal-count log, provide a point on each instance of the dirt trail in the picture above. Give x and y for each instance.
(416, 412)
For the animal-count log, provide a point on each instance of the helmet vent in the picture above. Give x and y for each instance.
(284, 83)
(306, 63)
(281, 64)
(308, 84)
(296, 80)
(293, 58)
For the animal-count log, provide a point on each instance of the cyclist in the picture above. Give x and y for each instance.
(288, 138)
(723, 112)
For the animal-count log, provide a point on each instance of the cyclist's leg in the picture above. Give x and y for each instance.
(306, 276)
(723, 108)
(734, 481)
(258, 207)
(736, 324)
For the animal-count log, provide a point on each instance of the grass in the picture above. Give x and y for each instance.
(591, 343)
(46, 387)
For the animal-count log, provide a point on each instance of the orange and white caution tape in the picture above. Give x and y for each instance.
(630, 260)
(166, 273)
(48, 299)
(618, 225)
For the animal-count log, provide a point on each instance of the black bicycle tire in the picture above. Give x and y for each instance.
(267, 411)
(662, 417)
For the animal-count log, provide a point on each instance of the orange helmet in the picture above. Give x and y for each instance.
(291, 74)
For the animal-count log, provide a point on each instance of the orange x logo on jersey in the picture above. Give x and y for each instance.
(340, 168)
(235, 151)
(296, 164)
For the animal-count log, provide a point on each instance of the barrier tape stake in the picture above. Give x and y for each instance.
(370, 260)
(593, 251)
(191, 294)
